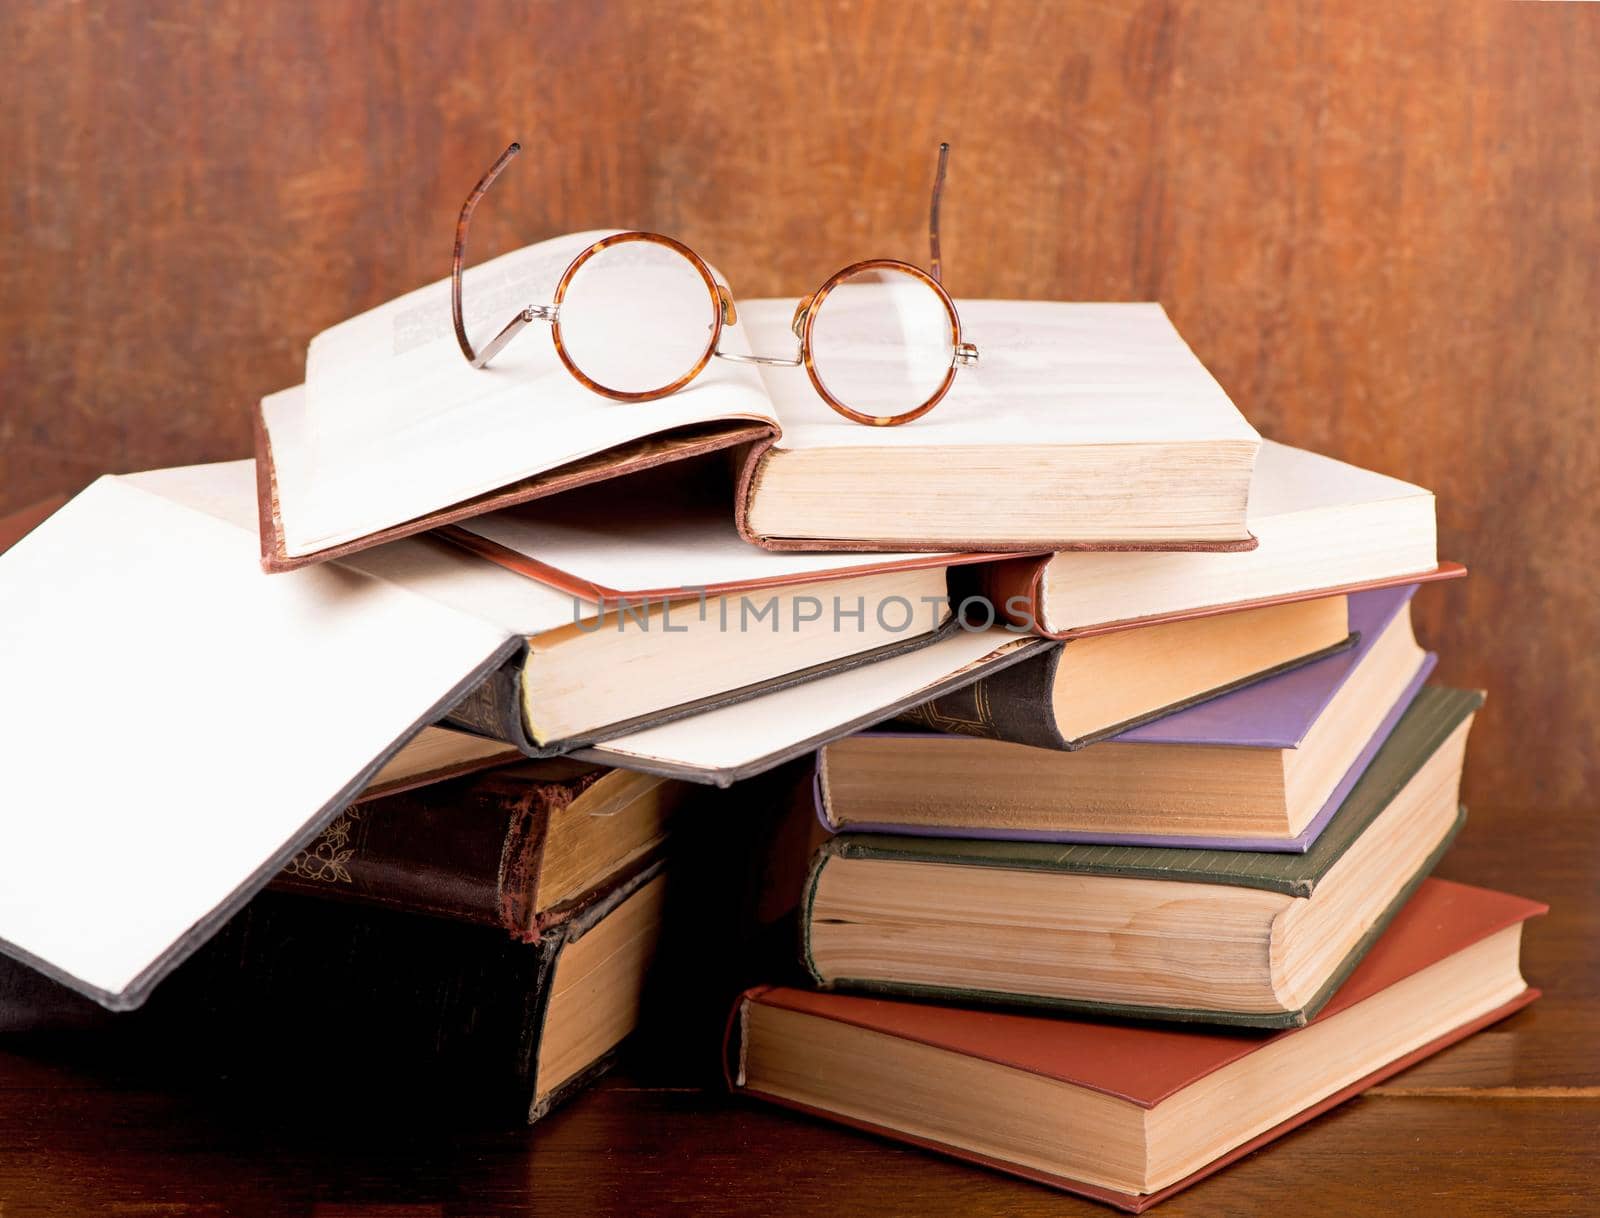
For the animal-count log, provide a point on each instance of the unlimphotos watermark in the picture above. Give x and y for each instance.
(777, 612)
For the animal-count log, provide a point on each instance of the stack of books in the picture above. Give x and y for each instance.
(1123, 912)
(1119, 728)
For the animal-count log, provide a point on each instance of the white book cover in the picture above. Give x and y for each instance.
(178, 723)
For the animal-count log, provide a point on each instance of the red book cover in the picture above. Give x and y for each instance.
(1145, 1064)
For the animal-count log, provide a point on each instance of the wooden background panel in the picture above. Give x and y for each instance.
(1378, 224)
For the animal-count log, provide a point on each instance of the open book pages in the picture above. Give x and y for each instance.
(1050, 374)
(393, 424)
(1080, 423)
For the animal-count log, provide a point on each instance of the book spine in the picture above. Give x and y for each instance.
(494, 708)
(808, 901)
(468, 849)
(1013, 587)
(1015, 704)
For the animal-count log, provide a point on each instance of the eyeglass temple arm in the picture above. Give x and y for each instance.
(478, 358)
(936, 266)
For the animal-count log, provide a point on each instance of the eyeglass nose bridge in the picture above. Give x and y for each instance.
(769, 361)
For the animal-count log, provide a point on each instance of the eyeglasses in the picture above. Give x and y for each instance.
(637, 316)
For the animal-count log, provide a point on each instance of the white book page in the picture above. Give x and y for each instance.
(393, 423)
(434, 569)
(452, 576)
(1048, 373)
(177, 720)
(647, 538)
(735, 736)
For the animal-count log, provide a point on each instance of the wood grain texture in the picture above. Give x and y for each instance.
(1378, 224)
(69, 1149)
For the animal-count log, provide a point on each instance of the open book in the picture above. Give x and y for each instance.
(231, 714)
(1084, 426)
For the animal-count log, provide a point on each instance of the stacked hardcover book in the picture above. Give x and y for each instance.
(1110, 925)
(1115, 723)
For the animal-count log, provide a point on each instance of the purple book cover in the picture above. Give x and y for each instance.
(1272, 714)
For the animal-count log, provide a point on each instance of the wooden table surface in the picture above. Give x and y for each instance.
(1507, 1122)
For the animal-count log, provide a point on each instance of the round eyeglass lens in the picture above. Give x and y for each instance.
(882, 342)
(637, 317)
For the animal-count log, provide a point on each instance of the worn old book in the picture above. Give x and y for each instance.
(1129, 1114)
(1103, 426)
(307, 684)
(389, 1002)
(1261, 768)
(1093, 688)
(516, 848)
(1238, 937)
(1324, 527)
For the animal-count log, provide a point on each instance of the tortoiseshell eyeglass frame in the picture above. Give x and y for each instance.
(724, 312)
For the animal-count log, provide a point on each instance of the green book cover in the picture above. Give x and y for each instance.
(1435, 714)
(1426, 725)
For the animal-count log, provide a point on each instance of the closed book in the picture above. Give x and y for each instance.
(588, 671)
(519, 848)
(1130, 1114)
(627, 669)
(1093, 688)
(1251, 938)
(1262, 767)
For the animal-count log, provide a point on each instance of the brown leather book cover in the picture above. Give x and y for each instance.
(1014, 588)
(1146, 1064)
(630, 458)
(470, 848)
